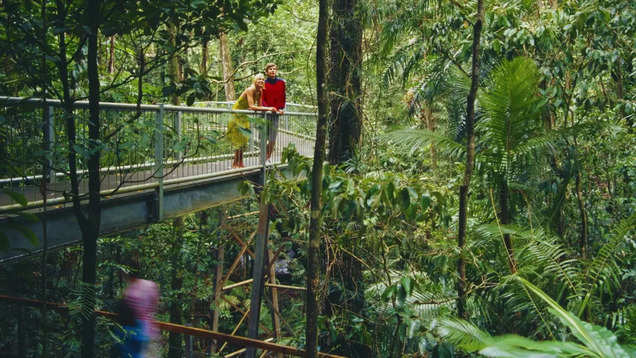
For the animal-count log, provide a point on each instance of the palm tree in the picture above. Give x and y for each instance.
(510, 131)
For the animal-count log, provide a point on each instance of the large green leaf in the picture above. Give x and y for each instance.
(514, 346)
(600, 341)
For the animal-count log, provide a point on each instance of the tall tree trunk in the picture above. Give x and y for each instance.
(46, 169)
(111, 55)
(90, 225)
(345, 35)
(311, 323)
(203, 67)
(344, 84)
(174, 339)
(176, 283)
(218, 290)
(275, 309)
(504, 196)
(470, 162)
(174, 75)
(226, 66)
(258, 270)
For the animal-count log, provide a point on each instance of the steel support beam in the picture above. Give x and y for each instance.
(125, 212)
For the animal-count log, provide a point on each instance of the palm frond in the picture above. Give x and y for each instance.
(533, 145)
(416, 138)
(400, 61)
(464, 334)
(511, 109)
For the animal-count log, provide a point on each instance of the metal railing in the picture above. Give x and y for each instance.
(142, 147)
(289, 106)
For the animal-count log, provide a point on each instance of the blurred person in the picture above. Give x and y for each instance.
(249, 99)
(132, 334)
(274, 96)
(139, 304)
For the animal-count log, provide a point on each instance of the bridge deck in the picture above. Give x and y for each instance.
(140, 137)
(188, 168)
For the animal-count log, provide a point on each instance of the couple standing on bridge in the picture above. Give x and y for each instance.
(266, 95)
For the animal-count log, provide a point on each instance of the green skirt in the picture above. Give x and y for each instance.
(234, 133)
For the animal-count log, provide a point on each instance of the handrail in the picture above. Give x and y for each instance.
(16, 101)
(232, 102)
(177, 328)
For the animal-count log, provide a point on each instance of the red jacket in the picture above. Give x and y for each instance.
(274, 94)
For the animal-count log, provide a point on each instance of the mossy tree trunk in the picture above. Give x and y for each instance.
(313, 247)
(470, 162)
(345, 35)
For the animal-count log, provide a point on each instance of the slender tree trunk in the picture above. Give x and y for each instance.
(275, 311)
(173, 63)
(311, 323)
(218, 290)
(345, 35)
(46, 167)
(258, 270)
(203, 67)
(111, 55)
(505, 220)
(226, 66)
(174, 340)
(90, 226)
(470, 161)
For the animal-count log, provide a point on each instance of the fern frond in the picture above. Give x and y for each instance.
(604, 267)
(550, 258)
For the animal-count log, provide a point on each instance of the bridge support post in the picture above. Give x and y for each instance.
(159, 161)
(258, 272)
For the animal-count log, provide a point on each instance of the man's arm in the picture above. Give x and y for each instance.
(281, 111)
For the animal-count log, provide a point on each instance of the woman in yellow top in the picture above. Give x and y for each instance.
(249, 99)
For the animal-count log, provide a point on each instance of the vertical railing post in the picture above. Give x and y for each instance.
(286, 122)
(177, 130)
(250, 144)
(159, 161)
(260, 247)
(263, 142)
(49, 142)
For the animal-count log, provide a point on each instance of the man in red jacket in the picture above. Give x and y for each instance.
(273, 96)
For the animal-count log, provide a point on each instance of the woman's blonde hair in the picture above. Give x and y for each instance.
(258, 76)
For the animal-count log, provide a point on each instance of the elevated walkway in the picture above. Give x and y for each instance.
(158, 162)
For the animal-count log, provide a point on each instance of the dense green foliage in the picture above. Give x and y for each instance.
(550, 248)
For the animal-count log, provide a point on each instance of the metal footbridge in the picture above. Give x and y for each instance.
(157, 162)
